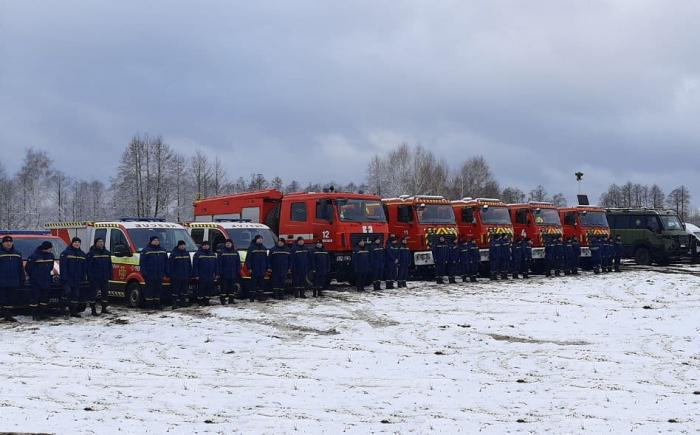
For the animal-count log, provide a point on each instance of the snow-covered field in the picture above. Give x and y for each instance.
(613, 353)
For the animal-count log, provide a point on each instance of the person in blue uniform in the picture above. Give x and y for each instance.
(205, 271)
(404, 262)
(39, 268)
(300, 268)
(549, 256)
(473, 259)
(73, 264)
(605, 253)
(180, 267)
(280, 267)
(596, 255)
(618, 249)
(516, 258)
(257, 263)
(453, 263)
(559, 256)
(441, 258)
(576, 261)
(154, 265)
(568, 257)
(229, 272)
(494, 256)
(360, 264)
(99, 272)
(504, 256)
(527, 257)
(377, 260)
(321, 267)
(391, 266)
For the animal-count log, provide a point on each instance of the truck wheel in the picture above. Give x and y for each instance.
(134, 295)
(642, 256)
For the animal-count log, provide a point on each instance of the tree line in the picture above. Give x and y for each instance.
(154, 180)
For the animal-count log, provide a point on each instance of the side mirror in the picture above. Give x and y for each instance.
(122, 251)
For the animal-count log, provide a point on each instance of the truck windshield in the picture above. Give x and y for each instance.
(594, 219)
(671, 222)
(27, 245)
(168, 237)
(546, 216)
(360, 210)
(243, 237)
(495, 215)
(436, 214)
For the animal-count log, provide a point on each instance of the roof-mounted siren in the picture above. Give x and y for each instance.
(488, 199)
(583, 200)
(404, 197)
(467, 199)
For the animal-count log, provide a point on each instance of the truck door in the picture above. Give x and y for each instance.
(323, 221)
(294, 220)
(467, 221)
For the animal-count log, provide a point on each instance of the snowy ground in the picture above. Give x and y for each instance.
(614, 353)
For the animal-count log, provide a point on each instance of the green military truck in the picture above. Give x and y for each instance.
(649, 235)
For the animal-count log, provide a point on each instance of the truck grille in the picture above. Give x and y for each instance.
(368, 237)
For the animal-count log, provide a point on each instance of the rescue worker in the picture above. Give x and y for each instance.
(576, 246)
(527, 257)
(180, 267)
(596, 257)
(229, 272)
(504, 256)
(464, 258)
(300, 268)
(441, 257)
(11, 276)
(258, 264)
(377, 259)
(99, 272)
(73, 274)
(404, 262)
(280, 266)
(453, 263)
(559, 256)
(549, 256)
(618, 249)
(605, 252)
(154, 267)
(321, 267)
(494, 259)
(568, 257)
(39, 267)
(205, 267)
(516, 258)
(391, 268)
(473, 259)
(360, 264)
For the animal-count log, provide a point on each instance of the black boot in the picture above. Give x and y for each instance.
(6, 316)
(451, 280)
(516, 276)
(93, 310)
(464, 278)
(74, 311)
(377, 285)
(472, 278)
(504, 276)
(302, 293)
(104, 309)
(390, 285)
(222, 299)
(439, 280)
(526, 276)
(231, 300)
(252, 296)
(296, 292)
(35, 313)
(320, 293)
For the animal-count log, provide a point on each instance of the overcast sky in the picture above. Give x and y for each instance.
(310, 90)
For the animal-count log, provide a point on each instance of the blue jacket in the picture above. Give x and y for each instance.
(404, 256)
(377, 258)
(73, 266)
(229, 263)
(494, 252)
(300, 260)
(549, 250)
(441, 252)
(280, 260)
(180, 264)
(393, 252)
(11, 273)
(527, 251)
(99, 265)
(360, 259)
(453, 254)
(516, 254)
(205, 265)
(321, 261)
(618, 248)
(153, 262)
(596, 255)
(474, 256)
(39, 267)
(256, 260)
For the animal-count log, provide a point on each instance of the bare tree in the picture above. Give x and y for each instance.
(679, 200)
(276, 183)
(512, 195)
(656, 197)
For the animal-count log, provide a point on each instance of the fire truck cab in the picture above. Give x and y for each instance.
(423, 219)
(537, 220)
(478, 218)
(125, 239)
(583, 222)
(339, 219)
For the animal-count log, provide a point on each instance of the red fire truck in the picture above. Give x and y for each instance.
(582, 222)
(339, 219)
(478, 218)
(423, 219)
(537, 220)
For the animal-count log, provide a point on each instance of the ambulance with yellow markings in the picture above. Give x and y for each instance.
(480, 218)
(537, 220)
(423, 219)
(240, 231)
(125, 239)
